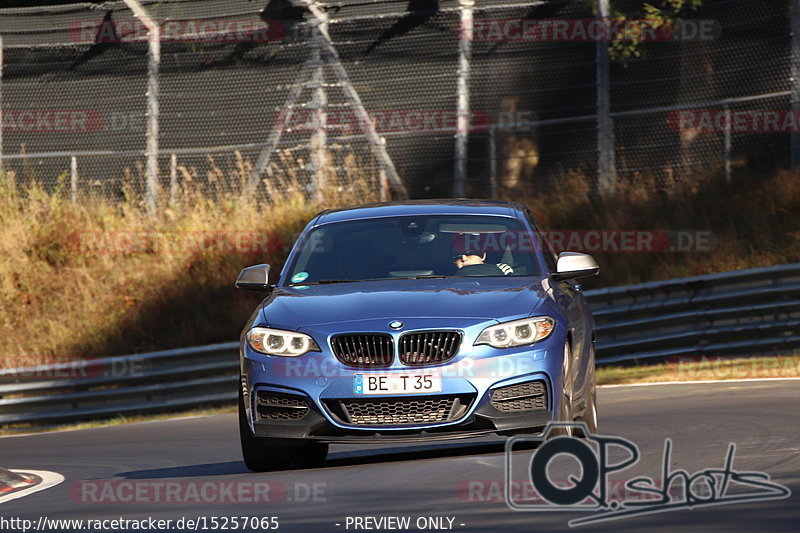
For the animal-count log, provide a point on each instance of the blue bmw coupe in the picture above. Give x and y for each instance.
(414, 321)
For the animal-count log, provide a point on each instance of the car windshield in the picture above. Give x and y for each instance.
(415, 247)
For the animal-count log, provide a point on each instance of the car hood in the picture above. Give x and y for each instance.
(483, 298)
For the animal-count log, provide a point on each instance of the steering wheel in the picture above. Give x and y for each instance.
(479, 270)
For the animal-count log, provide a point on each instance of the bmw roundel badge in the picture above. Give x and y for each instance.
(396, 324)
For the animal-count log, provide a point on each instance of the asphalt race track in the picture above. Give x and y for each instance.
(460, 480)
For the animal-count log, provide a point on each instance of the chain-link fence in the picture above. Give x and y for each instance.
(250, 95)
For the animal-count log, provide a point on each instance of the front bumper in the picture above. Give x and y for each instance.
(319, 382)
(482, 420)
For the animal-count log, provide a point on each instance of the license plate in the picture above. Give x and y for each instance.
(396, 383)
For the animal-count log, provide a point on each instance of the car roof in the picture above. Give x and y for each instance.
(447, 206)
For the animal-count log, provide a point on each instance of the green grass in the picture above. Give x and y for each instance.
(703, 369)
(118, 420)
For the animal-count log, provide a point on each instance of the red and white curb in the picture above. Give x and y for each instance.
(18, 483)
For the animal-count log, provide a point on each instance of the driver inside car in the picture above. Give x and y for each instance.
(472, 258)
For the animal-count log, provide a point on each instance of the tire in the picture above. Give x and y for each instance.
(565, 403)
(590, 415)
(312, 454)
(257, 454)
(590, 411)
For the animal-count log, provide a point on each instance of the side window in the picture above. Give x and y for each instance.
(550, 257)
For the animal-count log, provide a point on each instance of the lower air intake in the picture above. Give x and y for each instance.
(279, 406)
(520, 397)
(400, 411)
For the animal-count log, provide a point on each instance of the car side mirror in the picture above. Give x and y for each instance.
(574, 265)
(254, 278)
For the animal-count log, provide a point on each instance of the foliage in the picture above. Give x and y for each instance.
(659, 18)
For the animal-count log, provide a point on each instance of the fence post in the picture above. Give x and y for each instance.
(493, 161)
(726, 137)
(795, 82)
(463, 123)
(173, 178)
(606, 164)
(383, 184)
(153, 66)
(152, 116)
(1, 103)
(335, 63)
(319, 102)
(73, 178)
(378, 145)
(277, 130)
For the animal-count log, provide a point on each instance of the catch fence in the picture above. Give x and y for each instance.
(421, 98)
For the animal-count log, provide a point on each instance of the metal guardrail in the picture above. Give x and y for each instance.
(754, 311)
(168, 380)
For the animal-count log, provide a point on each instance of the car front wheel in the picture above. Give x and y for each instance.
(257, 454)
(564, 413)
(590, 415)
(590, 412)
(312, 454)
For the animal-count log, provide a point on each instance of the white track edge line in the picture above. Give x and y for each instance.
(66, 429)
(49, 479)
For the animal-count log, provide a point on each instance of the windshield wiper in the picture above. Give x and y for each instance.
(325, 282)
(330, 281)
(423, 276)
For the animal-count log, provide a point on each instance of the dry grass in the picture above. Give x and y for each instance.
(75, 282)
(755, 220)
(66, 293)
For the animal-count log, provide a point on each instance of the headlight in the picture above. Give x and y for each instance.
(517, 332)
(278, 342)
